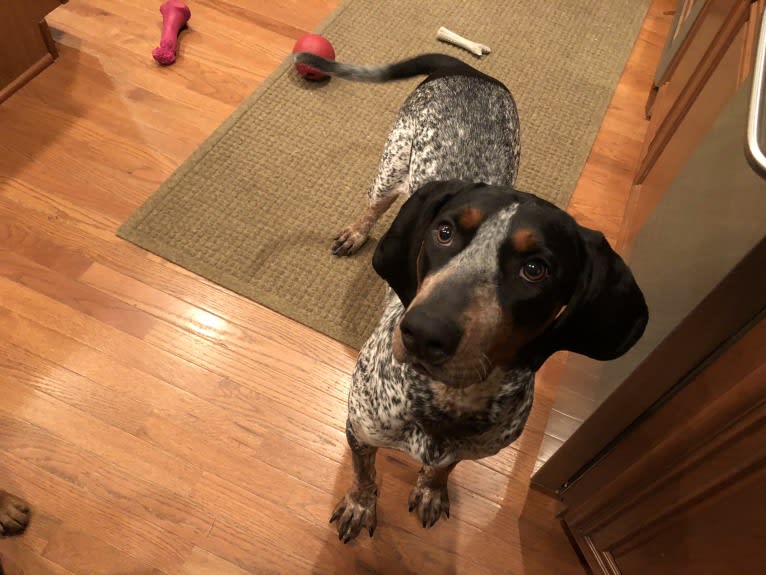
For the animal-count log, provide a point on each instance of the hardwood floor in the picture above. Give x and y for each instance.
(160, 424)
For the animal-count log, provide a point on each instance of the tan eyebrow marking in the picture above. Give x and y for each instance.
(470, 218)
(525, 240)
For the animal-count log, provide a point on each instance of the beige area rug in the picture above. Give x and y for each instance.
(255, 207)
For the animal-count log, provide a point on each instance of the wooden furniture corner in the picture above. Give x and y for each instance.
(26, 45)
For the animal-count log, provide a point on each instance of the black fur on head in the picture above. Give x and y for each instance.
(604, 312)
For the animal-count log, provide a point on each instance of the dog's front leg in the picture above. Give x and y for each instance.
(358, 508)
(355, 235)
(392, 180)
(14, 514)
(430, 496)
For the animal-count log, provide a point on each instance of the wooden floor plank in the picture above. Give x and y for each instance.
(81, 298)
(202, 562)
(114, 445)
(81, 552)
(124, 412)
(137, 537)
(39, 222)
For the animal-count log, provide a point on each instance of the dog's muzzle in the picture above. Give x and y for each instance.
(429, 340)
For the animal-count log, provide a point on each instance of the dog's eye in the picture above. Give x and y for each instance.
(534, 270)
(444, 233)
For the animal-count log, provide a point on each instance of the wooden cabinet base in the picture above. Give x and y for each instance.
(33, 70)
(683, 491)
(26, 45)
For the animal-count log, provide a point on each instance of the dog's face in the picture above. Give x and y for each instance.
(495, 278)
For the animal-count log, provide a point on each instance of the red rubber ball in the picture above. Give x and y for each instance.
(317, 45)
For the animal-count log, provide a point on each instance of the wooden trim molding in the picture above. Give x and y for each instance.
(28, 74)
(49, 43)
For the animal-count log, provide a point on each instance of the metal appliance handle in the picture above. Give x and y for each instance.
(755, 117)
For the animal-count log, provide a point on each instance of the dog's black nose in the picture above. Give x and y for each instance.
(430, 338)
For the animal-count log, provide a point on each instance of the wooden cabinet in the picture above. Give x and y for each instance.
(685, 492)
(708, 56)
(26, 46)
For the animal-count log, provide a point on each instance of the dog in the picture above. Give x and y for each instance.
(459, 123)
(485, 283)
(14, 516)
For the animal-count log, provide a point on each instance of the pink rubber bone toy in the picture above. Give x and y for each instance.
(175, 15)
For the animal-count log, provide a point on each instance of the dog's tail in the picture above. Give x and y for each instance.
(423, 65)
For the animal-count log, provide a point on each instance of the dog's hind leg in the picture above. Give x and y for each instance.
(430, 496)
(392, 179)
(357, 509)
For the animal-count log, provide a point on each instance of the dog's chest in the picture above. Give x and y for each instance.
(391, 405)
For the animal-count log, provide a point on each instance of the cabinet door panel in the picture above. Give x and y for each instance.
(686, 489)
(722, 535)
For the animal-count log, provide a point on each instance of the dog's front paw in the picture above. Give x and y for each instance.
(14, 514)
(430, 502)
(353, 512)
(349, 240)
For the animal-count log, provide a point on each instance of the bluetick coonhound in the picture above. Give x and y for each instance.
(459, 124)
(486, 282)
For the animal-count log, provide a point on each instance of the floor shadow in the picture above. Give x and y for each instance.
(53, 88)
(74, 115)
(544, 547)
(399, 544)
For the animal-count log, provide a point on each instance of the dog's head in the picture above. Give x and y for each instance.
(495, 278)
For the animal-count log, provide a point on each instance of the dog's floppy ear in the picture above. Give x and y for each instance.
(607, 312)
(396, 256)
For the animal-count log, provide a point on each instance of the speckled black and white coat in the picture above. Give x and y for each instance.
(391, 405)
(448, 373)
(458, 124)
(451, 128)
